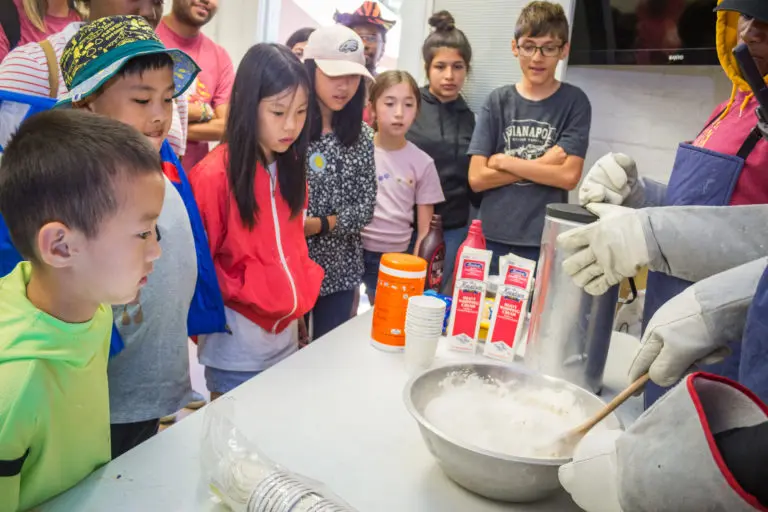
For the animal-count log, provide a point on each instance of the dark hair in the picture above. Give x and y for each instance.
(347, 123)
(138, 65)
(391, 78)
(300, 36)
(61, 165)
(266, 70)
(445, 35)
(540, 18)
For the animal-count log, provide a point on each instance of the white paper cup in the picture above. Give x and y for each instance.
(423, 332)
(421, 325)
(419, 351)
(283, 494)
(428, 322)
(308, 503)
(426, 302)
(425, 319)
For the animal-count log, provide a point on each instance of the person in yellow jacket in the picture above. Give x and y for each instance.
(725, 165)
(81, 195)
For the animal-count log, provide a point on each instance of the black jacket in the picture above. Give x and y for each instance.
(444, 131)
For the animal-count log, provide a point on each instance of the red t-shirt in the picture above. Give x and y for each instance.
(726, 136)
(30, 33)
(212, 86)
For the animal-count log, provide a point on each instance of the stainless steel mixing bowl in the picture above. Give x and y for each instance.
(493, 475)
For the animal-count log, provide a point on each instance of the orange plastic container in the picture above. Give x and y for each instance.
(401, 276)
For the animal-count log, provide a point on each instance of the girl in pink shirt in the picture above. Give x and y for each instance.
(37, 20)
(407, 177)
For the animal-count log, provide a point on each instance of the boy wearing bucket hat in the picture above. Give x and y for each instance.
(368, 23)
(117, 67)
(34, 68)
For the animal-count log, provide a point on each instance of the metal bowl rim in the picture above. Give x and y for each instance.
(476, 449)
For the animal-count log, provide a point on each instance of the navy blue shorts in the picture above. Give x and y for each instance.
(224, 381)
(372, 261)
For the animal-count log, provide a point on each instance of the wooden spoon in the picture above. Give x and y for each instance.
(566, 444)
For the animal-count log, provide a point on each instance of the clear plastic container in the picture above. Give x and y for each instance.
(245, 480)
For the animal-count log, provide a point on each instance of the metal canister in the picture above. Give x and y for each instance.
(570, 331)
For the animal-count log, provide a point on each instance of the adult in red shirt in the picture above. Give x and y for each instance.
(724, 166)
(209, 94)
(34, 23)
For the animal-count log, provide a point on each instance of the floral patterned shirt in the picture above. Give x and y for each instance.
(342, 182)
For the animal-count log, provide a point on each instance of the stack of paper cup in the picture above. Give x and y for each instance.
(282, 492)
(423, 328)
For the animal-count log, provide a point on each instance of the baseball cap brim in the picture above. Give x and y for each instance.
(756, 10)
(335, 68)
(184, 72)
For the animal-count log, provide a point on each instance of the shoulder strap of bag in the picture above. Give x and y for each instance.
(9, 20)
(712, 120)
(53, 68)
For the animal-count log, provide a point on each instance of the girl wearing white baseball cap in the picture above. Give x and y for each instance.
(340, 170)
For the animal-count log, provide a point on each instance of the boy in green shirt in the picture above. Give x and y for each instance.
(80, 194)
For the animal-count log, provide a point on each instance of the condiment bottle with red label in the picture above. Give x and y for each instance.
(475, 239)
(432, 249)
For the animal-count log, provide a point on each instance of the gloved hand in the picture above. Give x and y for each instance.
(590, 478)
(697, 325)
(612, 179)
(608, 250)
(677, 337)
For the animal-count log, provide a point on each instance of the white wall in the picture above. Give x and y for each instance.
(646, 111)
(413, 15)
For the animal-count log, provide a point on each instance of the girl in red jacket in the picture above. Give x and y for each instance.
(252, 194)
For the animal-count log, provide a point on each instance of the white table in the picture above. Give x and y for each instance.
(333, 412)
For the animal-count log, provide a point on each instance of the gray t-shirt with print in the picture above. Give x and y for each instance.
(149, 379)
(510, 124)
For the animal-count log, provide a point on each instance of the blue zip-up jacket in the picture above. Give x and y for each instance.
(206, 312)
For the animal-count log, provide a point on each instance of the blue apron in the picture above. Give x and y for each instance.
(700, 177)
(754, 344)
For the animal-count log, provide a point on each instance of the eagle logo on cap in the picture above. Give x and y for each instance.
(349, 46)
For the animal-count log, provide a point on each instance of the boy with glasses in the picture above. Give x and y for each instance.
(531, 138)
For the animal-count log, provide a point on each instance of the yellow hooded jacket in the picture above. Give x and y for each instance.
(735, 119)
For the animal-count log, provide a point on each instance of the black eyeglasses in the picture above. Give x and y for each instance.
(369, 38)
(157, 232)
(549, 50)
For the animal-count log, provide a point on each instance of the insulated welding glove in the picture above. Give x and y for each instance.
(667, 459)
(613, 179)
(591, 477)
(608, 250)
(697, 325)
